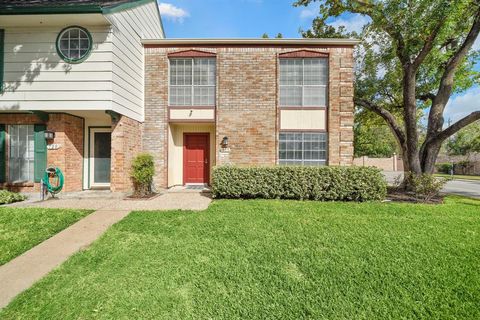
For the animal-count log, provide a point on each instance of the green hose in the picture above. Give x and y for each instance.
(57, 177)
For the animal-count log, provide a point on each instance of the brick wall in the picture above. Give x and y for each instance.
(69, 157)
(156, 125)
(126, 144)
(247, 103)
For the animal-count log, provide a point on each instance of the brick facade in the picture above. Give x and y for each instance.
(126, 144)
(156, 124)
(247, 103)
(69, 157)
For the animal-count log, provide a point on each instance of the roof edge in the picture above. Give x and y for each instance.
(51, 10)
(78, 9)
(253, 41)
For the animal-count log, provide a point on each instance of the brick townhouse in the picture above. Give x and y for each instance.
(246, 102)
(85, 85)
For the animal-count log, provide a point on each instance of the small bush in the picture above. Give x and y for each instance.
(444, 167)
(301, 183)
(426, 186)
(143, 169)
(10, 197)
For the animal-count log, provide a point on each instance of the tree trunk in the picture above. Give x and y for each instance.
(410, 119)
(429, 157)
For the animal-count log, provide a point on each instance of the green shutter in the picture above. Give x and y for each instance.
(2, 41)
(3, 153)
(40, 151)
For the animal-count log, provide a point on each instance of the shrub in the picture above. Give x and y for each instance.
(444, 167)
(143, 169)
(426, 186)
(301, 183)
(10, 197)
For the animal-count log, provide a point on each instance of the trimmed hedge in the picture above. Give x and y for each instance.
(301, 183)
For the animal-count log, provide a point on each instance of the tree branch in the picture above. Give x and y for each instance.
(386, 115)
(446, 82)
(427, 47)
(471, 118)
(426, 96)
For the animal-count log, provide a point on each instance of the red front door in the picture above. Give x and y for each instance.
(195, 158)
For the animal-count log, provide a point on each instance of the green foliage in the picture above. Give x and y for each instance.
(301, 183)
(373, 141)
(426, 186)
(466, 141)
(143, 169)
(10, 197)
(265, 35)
(444, 167)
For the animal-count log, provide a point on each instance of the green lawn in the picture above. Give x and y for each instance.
(458, 177)
(23, 228)
(263, 259)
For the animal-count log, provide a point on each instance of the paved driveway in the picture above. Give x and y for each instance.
(464, 188)
(468, 188)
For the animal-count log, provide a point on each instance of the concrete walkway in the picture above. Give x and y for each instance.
(95, 200)
(22, 272)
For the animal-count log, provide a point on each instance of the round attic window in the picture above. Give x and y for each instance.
(74, 44)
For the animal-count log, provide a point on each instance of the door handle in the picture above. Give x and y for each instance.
(206, 161)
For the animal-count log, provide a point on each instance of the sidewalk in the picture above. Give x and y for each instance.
(22, 272)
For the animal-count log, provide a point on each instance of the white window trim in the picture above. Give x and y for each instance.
(303, 85)
(193, 85)
(303, 160)
(31, 175)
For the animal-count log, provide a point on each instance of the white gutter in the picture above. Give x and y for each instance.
(252, 41)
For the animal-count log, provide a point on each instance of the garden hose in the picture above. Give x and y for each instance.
(53, 180)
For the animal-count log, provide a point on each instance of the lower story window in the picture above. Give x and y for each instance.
(21, 154)
(303, 148)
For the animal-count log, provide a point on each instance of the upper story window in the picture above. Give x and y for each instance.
(192, 82)
(303, 82)
(74, 44)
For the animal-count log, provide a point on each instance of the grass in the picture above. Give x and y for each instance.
(23, 228)
(268, 259)
(458, 176)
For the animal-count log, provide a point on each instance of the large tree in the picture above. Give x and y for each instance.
(414, 55)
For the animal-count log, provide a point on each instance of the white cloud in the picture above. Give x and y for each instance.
(352, 23)
(308, 13)
(169, 11)
(462, 105)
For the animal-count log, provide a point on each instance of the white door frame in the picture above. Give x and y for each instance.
(91, 159)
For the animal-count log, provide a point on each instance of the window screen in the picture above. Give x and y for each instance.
(303, 148)
(303, 82)
(21, 155)
(192, 82)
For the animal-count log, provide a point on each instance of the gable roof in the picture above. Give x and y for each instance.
(8, 7)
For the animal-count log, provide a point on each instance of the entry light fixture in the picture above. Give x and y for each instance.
(49, 135)
(224, 142)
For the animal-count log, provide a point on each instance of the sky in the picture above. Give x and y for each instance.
(253, 18)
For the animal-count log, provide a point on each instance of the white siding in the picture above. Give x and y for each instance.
(111, 78)
(129, 27)
(37, 79)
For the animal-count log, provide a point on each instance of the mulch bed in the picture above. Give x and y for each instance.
(409, 197)
(145, 197)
